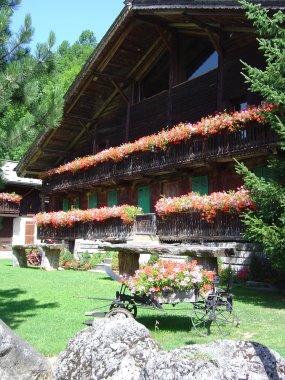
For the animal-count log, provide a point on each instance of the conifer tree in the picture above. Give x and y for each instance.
(266, 226)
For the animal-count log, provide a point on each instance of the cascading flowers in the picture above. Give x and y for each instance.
(182, 132)
(231, 202)
(168, 276)
(68, 218)
(10, 197)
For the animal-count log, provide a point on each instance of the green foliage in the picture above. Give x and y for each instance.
(266, 226)
(154, 257)
(115, 260)
(32, 86)
(65, 256)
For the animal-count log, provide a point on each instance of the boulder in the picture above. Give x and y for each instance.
(19, 360)
(112, 349)
(223, 359)
(115, 349)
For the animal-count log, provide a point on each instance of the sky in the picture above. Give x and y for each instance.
(67, 18)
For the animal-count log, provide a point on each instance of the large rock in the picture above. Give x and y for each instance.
(19, 360)
(221, 360)
(111, 349)
(123, 349)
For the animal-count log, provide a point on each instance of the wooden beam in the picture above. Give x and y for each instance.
(103, 64)
(109, 76)
(54, 152)
(120, 91)
(164, 38)
(214, 40)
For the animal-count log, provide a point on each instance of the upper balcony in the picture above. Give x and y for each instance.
(251, 140)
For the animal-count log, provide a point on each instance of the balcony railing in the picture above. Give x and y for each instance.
(252, 139)
(190, 226)
(109, 230)
(9, 208)
(145, 224)
(174, 227)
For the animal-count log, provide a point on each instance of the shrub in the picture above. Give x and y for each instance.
(115, 260)
(154, 257)
(65, 256)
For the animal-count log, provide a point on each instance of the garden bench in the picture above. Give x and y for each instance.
(49, 255)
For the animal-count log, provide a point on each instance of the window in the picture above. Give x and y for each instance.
(200, 185)
(112, 199)
(209, 64)
(92, 200)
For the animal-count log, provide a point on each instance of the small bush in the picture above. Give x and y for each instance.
(65, 256)
(115, 260)
(154, 257)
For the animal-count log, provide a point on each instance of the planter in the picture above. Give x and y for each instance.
(176, 296)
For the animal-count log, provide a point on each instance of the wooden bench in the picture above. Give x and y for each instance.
(49, 253)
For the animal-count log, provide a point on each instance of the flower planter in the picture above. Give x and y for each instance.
(175, 296)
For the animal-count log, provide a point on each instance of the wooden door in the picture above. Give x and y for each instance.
(144, 198)
(29, 232)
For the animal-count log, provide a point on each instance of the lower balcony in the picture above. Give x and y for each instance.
(113, 229)
(175, 227)
(9, 208)
(191, 226)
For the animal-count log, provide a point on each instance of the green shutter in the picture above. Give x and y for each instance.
(144, 198)
(200, 185)
(92, 200)
(65, 204)
(77, 203)
(263, 172)
(112, 198)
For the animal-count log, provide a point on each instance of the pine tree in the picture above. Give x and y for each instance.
(266, 226)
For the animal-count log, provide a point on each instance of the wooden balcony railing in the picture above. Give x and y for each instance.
(251, 139)
(9, 208)
(190, 226)
(109, 230)
(145, 224)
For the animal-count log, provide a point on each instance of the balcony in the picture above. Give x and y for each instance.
(251, 140)
(190, 226)
(9, 208)
(113, 229)
(174, 227)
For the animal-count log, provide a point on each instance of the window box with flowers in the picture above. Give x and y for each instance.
(170, 282)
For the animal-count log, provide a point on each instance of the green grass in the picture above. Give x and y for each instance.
(44, 308)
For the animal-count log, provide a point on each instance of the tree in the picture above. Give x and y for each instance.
(32, 86)
(266, 226)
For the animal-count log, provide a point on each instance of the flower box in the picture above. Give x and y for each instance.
(175, 296)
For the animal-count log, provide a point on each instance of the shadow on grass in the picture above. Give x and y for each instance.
(13, 312)
(262, 298)
(166, 322)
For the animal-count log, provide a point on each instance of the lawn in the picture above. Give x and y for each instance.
(45, 309)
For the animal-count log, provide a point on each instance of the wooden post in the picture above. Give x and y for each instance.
(128, 262)
(220, 102)
(172, 76)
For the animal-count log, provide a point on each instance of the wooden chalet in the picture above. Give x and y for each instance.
(17, 224)
(160, 63)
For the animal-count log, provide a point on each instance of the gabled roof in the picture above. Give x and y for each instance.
(132, 41)
(10, 177)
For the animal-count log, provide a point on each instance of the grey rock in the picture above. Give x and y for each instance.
(112, 349)
(19, 360)
(116, 349)
(220, 360)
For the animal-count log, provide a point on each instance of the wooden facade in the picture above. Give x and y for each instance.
(17, 218)
(161, 63)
